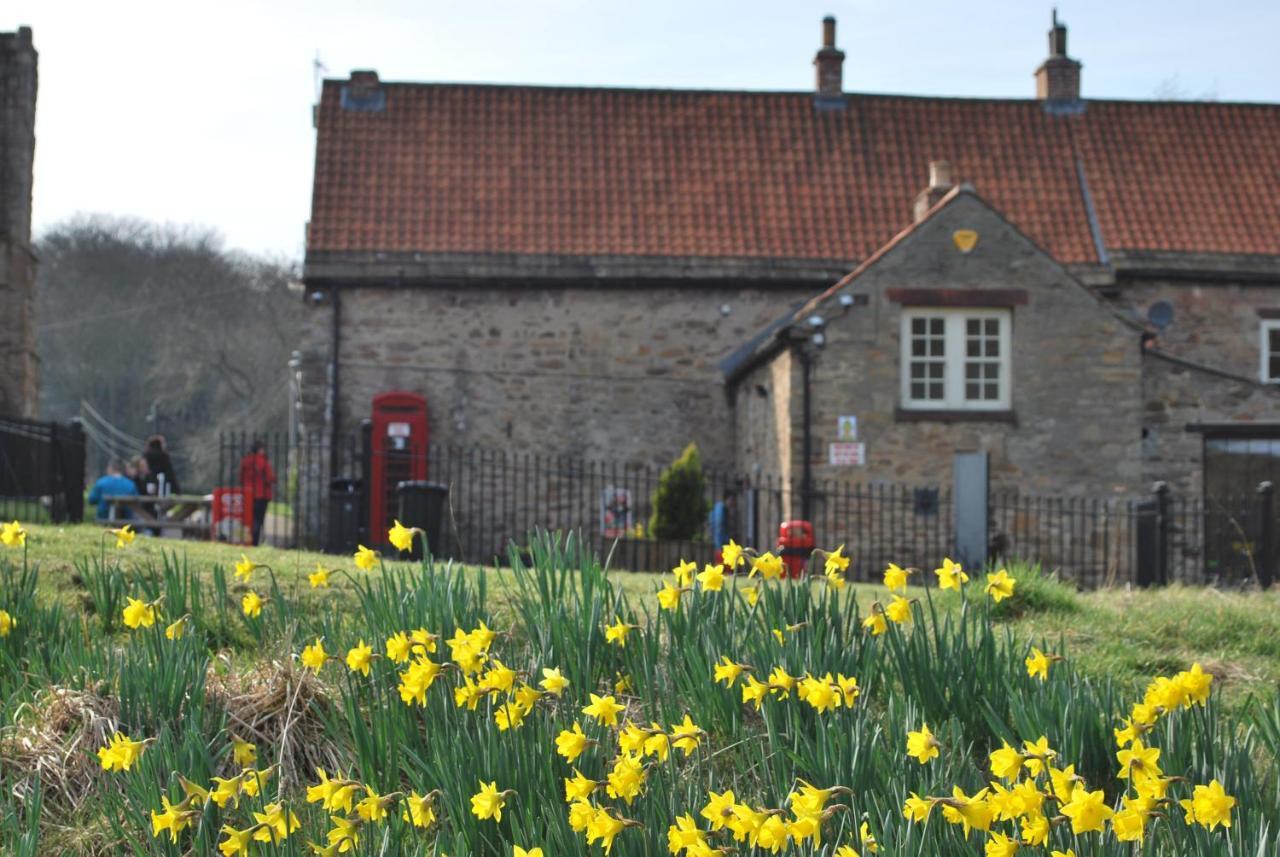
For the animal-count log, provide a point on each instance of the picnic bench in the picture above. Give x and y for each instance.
(186, 513)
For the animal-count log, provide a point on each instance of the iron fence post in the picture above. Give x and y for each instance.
(1161, 492)
(1266, 534)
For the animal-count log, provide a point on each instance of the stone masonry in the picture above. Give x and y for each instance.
(18, 361)
(619, 374)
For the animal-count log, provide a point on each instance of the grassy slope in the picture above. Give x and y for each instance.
(1126, 635)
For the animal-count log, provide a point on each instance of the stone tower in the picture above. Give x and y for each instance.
(18, 361)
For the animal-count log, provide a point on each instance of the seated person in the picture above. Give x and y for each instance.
(114, 484)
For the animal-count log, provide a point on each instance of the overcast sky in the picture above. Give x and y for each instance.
(201, 112)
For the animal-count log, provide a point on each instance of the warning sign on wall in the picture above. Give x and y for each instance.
(847, 454)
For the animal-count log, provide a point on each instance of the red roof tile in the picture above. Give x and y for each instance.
(547, 170)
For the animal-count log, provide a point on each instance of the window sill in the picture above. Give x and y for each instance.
(909, 415)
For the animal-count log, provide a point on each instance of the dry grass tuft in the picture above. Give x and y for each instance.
(277, 705)
(55, 738)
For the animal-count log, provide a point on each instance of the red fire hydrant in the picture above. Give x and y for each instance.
(795, 544)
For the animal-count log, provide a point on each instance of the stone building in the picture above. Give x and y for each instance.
(18, 362)
(617, 272)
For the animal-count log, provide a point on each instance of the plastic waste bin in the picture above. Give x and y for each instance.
(345, 500)
(421, 504)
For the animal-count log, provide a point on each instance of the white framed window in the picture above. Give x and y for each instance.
(1269, 351)
(958, 359)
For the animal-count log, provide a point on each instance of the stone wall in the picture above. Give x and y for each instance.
(18, 362)
(1177, 394)
(1074, 425)
(1214, 323)
(615, 373)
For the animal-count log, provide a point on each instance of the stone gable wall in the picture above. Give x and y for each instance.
(1076, 372)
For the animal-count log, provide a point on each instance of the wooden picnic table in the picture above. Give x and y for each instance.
(172, 512)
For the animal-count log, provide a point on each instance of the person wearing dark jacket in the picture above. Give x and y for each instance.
(258, 480)
(159, 465)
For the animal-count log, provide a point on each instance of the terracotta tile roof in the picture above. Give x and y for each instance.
(450, 168)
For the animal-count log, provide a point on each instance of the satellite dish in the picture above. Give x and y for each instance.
(1160, 314)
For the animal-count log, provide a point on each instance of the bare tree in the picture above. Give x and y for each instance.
(161, 329)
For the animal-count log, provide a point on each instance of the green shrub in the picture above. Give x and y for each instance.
(680, 503)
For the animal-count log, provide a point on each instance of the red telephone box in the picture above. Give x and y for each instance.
(398, 447)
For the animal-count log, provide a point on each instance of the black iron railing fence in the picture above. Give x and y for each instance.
(498, 496)
(42, 471)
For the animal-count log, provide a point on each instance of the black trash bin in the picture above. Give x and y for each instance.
(345, 507)
(421, 505)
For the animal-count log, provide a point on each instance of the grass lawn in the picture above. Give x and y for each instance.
(1126, 635)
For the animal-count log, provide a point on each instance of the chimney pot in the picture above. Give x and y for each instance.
(940, 184)
(829, 31)
(940, 174)
(829, 63)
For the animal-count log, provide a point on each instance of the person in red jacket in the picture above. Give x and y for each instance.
(258, 479)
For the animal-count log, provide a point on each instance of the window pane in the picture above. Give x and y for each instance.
(993, 347)
(935, 347)
(918, 326)
(937, 326)
(917, 390)
(991, 391)
(973, 348)
(991, 371)
(937, 371)
(935, 391)
(993, 327)
(1274, 336)
(973, 328)
(971, 391)
(917, 347)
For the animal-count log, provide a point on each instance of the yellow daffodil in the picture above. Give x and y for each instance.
(489, 802)
(13, 535)
(895, 578)
(517, 851)
(684, 572)
(237, 842)
(922, 745)
(572, 743)
(365, 558)
(731, 555)
(359, 658)
(175, 630)
(685, 736)
(728, 672)
(604, 709)
(174, 819)
(951, 575)
(244, 568)
(121, 752)
(712, 578)
(1087, 810)
(398, 648)
(553, 681)
(752, 594)
(124, 536)
(1000, 585)
(314, 656)
(617, 632)
(319, 577)
(1138, 761)
(1000, 845)
(1038, 664)
(251, 604)
(401, 537)
(899, 610)
(875, 622)
(419, 810)
(139, 614)
(1209, 806)
(669, 596)
(767, 565)
(243, 753)
(275, 824)
(7, 623)
(835, 563)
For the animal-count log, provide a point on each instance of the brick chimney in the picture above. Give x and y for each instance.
(364, 92)
(1058, 77)
(830, 65)
(940, 184)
